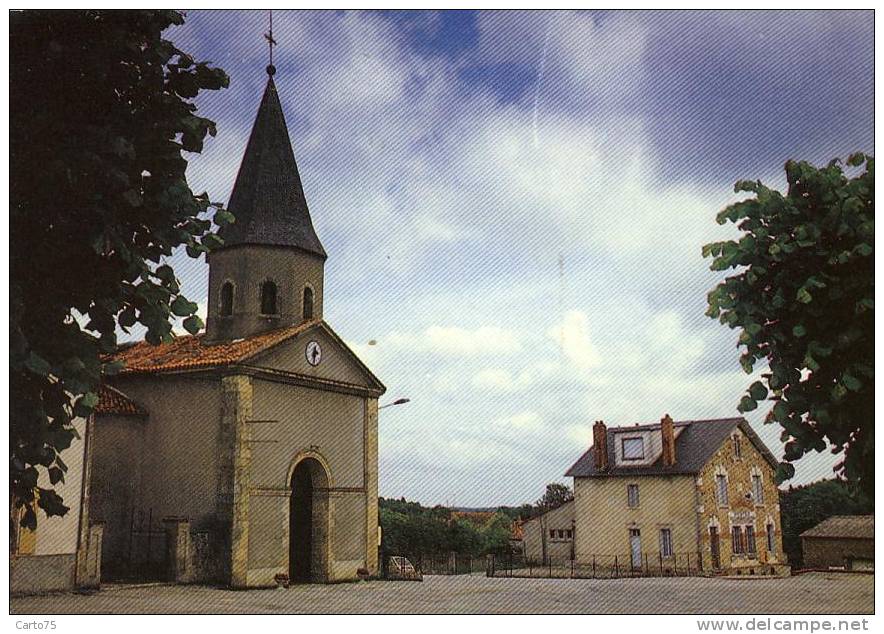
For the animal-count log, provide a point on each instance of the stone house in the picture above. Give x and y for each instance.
(246, 455)
(696, 495)
(64, 552)
(549, 537)
(841, 542)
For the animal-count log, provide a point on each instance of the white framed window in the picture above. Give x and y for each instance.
(666, 542)
(632, 448)
(721, 489)
(737, 449)
(757, 489)
(632, 495)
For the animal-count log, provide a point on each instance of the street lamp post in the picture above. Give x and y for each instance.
(398, 401)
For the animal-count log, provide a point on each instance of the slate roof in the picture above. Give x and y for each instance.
(844, 526)
(192, 352)
(113, 401)
(694, 445)
(268, 198)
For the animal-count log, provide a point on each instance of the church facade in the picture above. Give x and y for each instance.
(247, 454)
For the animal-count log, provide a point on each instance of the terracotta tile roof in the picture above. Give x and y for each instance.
(845, 526)
(113, 401)
(192, 352)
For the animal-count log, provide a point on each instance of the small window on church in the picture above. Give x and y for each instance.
(268, 298)
(226, 299)
(308, 303)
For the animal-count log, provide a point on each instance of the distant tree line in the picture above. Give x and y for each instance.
(413, 530)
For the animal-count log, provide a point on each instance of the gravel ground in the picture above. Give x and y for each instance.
(814, 593)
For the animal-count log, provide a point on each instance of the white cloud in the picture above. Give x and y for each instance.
(453, 341)
(527, 421)
(575, 342)
(444, 222)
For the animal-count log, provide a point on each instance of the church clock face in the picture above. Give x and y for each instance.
(313, 353)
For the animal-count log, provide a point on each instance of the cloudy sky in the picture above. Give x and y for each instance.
(514, 203)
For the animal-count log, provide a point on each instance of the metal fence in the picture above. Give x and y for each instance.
(596, 566)
(451, 564)
(443, 564)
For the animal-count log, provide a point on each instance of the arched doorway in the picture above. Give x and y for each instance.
(308, 523)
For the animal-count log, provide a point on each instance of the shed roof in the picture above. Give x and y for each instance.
(845, 526)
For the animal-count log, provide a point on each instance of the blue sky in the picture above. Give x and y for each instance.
(513, 204)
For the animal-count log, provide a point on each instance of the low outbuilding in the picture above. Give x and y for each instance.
(840, 542)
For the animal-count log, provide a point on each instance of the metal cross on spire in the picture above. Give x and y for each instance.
(271, 69)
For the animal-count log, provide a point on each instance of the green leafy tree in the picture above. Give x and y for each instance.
(555, 495)
(804, 507)
(497, 534)
(804, 301)
(102, 109)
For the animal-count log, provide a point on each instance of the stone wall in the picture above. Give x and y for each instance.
(835, 552)
(31, 574)
(147, 469)
(741, 509)
(247, 267)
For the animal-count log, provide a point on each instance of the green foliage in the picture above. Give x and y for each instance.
(804, 507)
(415, 531)
(804, 301)
(102, 111)
(555, 495)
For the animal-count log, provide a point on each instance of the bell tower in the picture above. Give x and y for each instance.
(269, 272)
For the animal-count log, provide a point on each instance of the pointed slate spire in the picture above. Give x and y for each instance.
(268, 198)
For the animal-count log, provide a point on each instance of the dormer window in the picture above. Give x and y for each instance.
(308, 303)
(268, 299)
(633, 448)
(226, 308)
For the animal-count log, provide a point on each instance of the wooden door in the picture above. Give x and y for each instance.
(716, 547)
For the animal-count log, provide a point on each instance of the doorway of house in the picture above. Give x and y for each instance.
(308, 522)
(715, 546)
(635, 545)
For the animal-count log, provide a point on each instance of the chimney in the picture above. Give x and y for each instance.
(667, 431)
(600, 445)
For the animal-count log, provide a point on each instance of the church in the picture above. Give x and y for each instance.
(246, 455)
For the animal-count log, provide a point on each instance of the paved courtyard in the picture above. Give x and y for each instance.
(810, 593)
